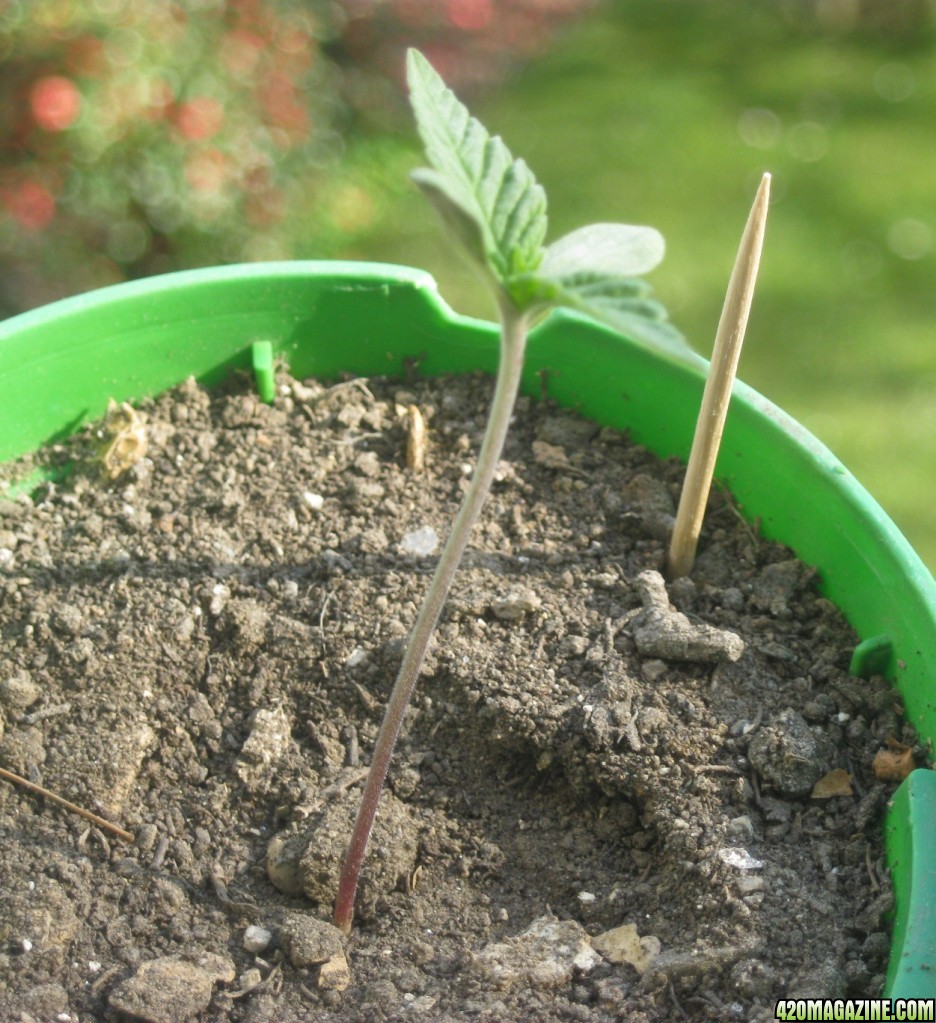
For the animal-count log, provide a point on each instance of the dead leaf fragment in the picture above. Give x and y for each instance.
(126, 438)
(893, 763)
(623, 945)
(835, 783)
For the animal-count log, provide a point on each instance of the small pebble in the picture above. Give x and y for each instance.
(19, 692)
(250, 979)
(739, 858)
(309, 941)
(257, 939)
(790, 754)
(421, 542)
(515, 604)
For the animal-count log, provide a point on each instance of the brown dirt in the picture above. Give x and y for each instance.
(201, 648)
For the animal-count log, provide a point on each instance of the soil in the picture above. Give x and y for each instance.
(604, 802)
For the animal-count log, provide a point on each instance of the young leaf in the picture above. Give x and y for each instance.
(464, 221)
(621, 302)
(621, 250)
(477, 176)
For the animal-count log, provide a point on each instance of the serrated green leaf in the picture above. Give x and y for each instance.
(481, 177)
(448, 204)
(622, 250)
(621, 302)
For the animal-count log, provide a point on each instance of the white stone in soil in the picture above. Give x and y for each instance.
(267, 744)
(422, 541)
(515, 604)
(256, 939)
(547, 955)
(740, 859)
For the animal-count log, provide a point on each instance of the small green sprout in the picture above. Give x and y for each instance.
(494, 206)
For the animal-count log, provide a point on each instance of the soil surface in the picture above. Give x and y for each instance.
(604, 803)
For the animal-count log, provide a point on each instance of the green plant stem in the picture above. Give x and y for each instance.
(513, 342)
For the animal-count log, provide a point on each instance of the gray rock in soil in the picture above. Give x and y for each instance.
(246, 622)
(790, 755)
(39, 921)
(256, 939)
(305, 859)
(170, 989)
(19, 692)
(269, 740)
(650, 502)
(310, 942)
(825, 979)
(66, 619)
(514, 605)
(22, 748)
(752, 978)
(776, 585)
(44, 1001)
(660, 631)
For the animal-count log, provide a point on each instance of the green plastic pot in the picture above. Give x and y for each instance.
(59, 366)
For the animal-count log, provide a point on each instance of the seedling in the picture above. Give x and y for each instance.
(494, 206)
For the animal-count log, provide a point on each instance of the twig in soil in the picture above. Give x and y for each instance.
(44, 713)
(752, 726)
(355, 383)
(321, 619)
(675, 1001)
(347, 778)
(856, 782)
(323, 662)
(717, 395)
(678, 963)
(714, 769)
(755, 788)
(106, 977)
(159, 855)
(39, 790)
(352, 756)
(83, 841)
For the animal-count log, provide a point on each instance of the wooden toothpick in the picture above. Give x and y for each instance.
(718, 387)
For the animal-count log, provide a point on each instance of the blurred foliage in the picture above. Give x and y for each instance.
(143, 135)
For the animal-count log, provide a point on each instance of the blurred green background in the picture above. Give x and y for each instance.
(663, 112)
